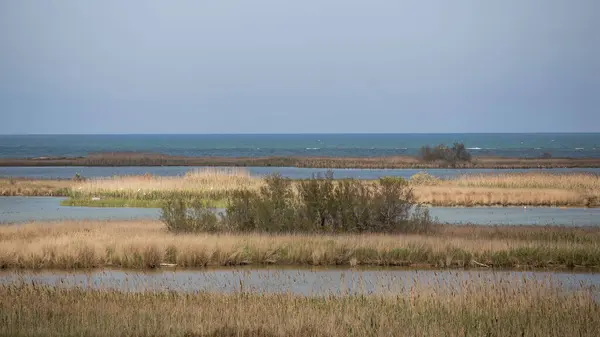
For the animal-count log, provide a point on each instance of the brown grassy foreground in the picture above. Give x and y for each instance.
(146, 244)
(157, 159)
(475, 309)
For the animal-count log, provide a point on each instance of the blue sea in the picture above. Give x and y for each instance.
(572, 145)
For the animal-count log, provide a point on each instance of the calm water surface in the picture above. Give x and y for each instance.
(22, 209)
(300, 281)
(291, 172)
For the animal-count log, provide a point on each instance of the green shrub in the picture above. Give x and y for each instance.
(271, 209)
(322, 204)
(457, 153)
(319, 204)
(198, 217)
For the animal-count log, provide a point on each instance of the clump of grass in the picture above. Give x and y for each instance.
(516, 189)
(30, 187)
(424, 179)
(474, 309)
(533, 180)
(206, 183)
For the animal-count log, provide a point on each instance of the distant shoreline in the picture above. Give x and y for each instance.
(111, 159)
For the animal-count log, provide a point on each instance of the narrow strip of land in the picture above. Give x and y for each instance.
(148, 244)
(391, 162)
(510, 189)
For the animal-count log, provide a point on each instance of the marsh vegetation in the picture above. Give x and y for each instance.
(474, 309)
(148, 244)
(216, 185)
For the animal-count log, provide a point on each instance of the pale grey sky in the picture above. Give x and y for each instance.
(272, 66)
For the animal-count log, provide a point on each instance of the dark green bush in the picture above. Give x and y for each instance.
(319, 204)
(271, 209)
(322, 204)
(198, 216)
(457, 153)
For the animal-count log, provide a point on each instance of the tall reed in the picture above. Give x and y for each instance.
(474, 309)
(147, 244)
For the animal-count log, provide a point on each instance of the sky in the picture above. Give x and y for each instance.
(310, 66)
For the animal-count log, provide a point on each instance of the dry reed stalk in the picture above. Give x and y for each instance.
(146, 244)
(568, 181)
(483, 196)
(204, 181)
(475, 309)
(29, 187)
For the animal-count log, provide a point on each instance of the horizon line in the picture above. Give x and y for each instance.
(291, 133)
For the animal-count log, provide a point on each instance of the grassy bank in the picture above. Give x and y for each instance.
(510, 189)
(514, 189)
(533, 309)
(530, 189)
(157, 159)
(131, 202)
(33, 187)
(147, 244)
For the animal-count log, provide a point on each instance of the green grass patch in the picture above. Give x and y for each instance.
(122, 202)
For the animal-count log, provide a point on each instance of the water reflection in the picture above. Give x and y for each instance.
(301, 281)
(23, 209)
(67, 172)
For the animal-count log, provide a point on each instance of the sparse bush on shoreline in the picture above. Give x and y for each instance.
(452, 155)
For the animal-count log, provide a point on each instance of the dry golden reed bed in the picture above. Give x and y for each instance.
(514, 189)
(205, 182)
(147, 244)
(30, 187)
(475, 309)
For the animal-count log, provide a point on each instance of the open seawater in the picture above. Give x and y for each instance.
(573, 145)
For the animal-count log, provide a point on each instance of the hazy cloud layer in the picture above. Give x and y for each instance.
(277, 66)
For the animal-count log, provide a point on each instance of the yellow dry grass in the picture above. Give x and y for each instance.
(447, 195)
(567, 181)
(146, 244)
(476, 308)
(30, 187)
(510, 189)
(209, 181)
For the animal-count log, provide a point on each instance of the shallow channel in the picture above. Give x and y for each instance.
(67, 172)
(24, 209)
(301, 281)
